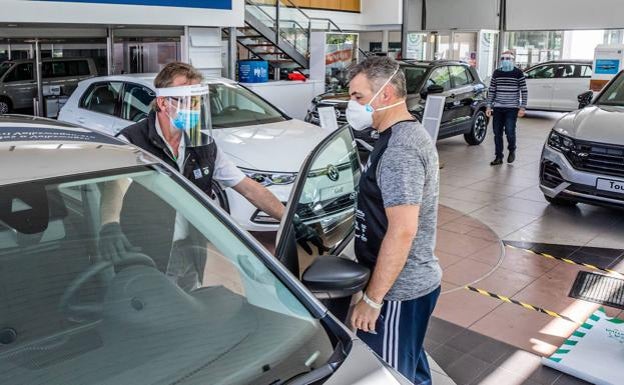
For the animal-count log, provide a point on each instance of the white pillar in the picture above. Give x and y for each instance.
(385, 39)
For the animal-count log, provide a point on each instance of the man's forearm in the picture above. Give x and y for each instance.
(390, 262)
(112, 194)
(261, 197)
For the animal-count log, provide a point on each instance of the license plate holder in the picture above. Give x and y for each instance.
(610, 185)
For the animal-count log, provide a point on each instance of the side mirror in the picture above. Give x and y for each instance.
(585, 99)
(334, 277)
(432, 89)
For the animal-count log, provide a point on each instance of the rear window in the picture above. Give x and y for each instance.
(57, 69)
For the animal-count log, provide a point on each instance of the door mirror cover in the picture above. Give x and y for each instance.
(431, 90)
(330, 276)
(585, 99)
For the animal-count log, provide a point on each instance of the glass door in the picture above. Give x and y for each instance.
(487, 58)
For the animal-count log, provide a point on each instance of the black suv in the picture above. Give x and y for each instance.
(464, 111)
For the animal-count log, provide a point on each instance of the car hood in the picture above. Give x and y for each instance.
(281, 146)
(602, 124)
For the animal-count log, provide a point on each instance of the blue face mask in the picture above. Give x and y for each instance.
(185, 119)
(507, 65)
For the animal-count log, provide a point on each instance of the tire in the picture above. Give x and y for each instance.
(560, 202)
(478, 129)
(218, 197)
(5, 106)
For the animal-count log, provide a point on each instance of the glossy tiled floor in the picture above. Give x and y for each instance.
(481, 340)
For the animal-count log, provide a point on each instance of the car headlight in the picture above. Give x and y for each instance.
(560, 142)
(271, 178)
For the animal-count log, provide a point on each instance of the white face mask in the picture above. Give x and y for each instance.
(360, 116)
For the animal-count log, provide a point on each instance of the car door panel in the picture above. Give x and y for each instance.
(540, 84)
(463, 95)
(441, 76)
(99, 106)
(571, 83)
(20, 85)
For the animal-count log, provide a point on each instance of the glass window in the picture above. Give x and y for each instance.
(202, 308)
(21, 72)
(234, 106)
(460, 76)
(541, 72)
(565, 71)
(586, 71)
(414, 77)
(441, 77)
(77, 68)
(614, 95)
(4, 67)
(136, 103)
(102, 97)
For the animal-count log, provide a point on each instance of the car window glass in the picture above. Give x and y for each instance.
(460, 76)
(614, 94)
(328, 196)
(586, 71)
(565, 71)
(102, 97)
(136, 102)
(413, 78)
(203, 305)
(441, 77)
(21, 72)
(232, 105)
(4, 67)
(542, 72)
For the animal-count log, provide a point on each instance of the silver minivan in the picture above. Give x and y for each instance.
(18, 82)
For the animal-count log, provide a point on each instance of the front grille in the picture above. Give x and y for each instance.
(601, 158)
(550, 175)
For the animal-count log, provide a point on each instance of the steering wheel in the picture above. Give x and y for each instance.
(82, 311)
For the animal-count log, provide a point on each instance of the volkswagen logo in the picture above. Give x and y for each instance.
(332, 173)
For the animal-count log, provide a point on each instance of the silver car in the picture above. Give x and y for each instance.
(18, 84)
(210, 306)
(583, 158)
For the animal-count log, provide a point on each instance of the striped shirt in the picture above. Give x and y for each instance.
(508, 89)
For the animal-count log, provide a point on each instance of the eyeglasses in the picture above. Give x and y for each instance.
(506, 58)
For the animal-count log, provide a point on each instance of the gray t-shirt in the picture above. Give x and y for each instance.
(408, 174)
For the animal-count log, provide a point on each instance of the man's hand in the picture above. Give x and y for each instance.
(305, 234)
(113, 243)
(521, 113)
(364, 317)
(488, 112)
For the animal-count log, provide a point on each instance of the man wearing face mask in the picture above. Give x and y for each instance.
(395, 220)
(177, 131)
(507, 101)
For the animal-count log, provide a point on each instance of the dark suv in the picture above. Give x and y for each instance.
(464, 111)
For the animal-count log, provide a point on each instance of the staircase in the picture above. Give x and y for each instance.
(278, 31)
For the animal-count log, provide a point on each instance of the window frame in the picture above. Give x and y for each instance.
(433, 70)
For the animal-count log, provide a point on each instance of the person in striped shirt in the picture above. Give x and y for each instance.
(507, 100)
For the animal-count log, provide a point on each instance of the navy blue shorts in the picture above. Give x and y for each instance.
(401, 329)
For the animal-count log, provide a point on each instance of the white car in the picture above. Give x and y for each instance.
(261, 140)
(555, 86)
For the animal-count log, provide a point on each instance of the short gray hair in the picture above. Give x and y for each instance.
(378, 70)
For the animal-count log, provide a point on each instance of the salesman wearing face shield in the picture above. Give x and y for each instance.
(178, 131)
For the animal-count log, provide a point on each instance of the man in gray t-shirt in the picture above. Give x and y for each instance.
(395, 220)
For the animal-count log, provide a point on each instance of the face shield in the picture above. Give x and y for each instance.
(188, 109)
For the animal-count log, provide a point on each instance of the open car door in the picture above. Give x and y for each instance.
(324, 199)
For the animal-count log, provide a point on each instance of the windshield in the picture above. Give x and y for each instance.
(614, 94)
(184, 301)
(4, 67)
(235, 106)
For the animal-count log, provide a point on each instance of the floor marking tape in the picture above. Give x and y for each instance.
(524, 305)
(566, 260)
